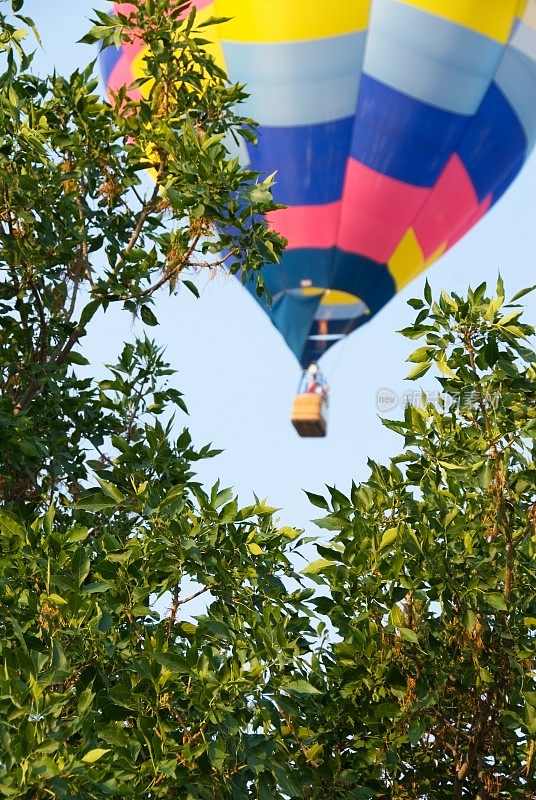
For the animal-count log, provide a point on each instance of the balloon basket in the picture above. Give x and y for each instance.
(308, 415)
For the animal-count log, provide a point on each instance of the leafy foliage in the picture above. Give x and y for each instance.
(81, 226)
(109, 686)
(429, 689)
(103, 696)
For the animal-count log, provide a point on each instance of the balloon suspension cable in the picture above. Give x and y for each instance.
(341, 350)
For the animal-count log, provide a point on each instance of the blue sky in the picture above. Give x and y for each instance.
(235, 370)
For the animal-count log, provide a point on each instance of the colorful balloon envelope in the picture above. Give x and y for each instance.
(393, 126)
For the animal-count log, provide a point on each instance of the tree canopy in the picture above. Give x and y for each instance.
(431, 678)
(81, 228)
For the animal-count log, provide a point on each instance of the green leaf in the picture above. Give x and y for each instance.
(259, 194)
(452, 514)
(77, 358)
(191, 287)
(386, 709)
(486, 675)
(469, 620)
(315, 567)
(175, 197)
(77, 534)
(110, 490)
(416, 729)
(447, 300)
(331, 523)
(148, 316)
(48, 519)
(97, 587)
(9, 524)
(493, 307)
(415, 331)
(85, 700)
(56, 599)
(496, 601)
(363, 793)
(96, 502)
(449, 465)
(198, 211)
(388, 538)
(418, 370)
(283, 773)
(509, 317)
(396, 617)
(444, 367)
(265, 790)
(59, 659)
(420, 355)
(93, 755)
(530, 718)
(80, 566)
(216, 754)
(221, 497)
(522, 293)
(318, 501)
(229, 512)
(408, 635)
(484, 475)
(288, 532)
(88, 312)
(173, 662)
(300, 687)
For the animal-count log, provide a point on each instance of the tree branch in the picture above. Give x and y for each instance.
(167, 276)
(146, 211)
(478, 732)
(42, 321)
(481, 402)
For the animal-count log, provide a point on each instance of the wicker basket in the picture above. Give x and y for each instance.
(308, 415)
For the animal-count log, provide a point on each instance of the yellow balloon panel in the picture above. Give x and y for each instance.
(334, 297)
(493, 18)
(290, 20)
(330, 296)
(407, 260)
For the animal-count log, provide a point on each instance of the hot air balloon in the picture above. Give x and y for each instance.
(393, 125)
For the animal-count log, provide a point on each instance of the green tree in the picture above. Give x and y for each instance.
(429, 686)
(101, 694)
(81, 226)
